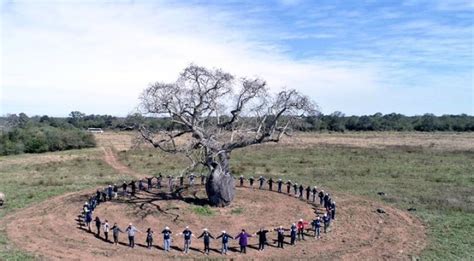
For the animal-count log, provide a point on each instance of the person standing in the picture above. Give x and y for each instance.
(314, 193)
(293, 231)
(203, 179)
(301, 225)
(262, 239)
(225, 242)
(115, 233)
(124, 188)
(187, 234)
(166, 239)
(326, 201)
(131, 231)
(321, 197)
(149, 238)
(88, 220)
(243, 241)
(181, 180)
(241, 180)
(301, 188)
(261, 181)
(191, 179)
(159, 178)
(288, 186)
(110, 191)
(149, 181)
(280, 183)
(308, 191)
(280, 236)
(327, 222)
(140, 185)
(251, 180)
(270, 184)
(207, 240)
(98, 224)
(295, 189)
(115, 190)
(106, 230)
(134, 188)
(317, 227)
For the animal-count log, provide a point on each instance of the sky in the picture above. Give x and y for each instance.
(358, 57)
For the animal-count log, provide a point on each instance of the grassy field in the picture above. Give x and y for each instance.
(432, 177)
(439, 184)
(28, 179)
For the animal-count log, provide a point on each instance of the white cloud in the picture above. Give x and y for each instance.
(98, 59)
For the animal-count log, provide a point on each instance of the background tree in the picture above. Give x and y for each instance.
(213, 114)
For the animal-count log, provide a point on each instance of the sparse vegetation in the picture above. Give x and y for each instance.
(203, 210)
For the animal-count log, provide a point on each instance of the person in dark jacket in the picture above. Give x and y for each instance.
(262, 239)
(115, 233)
(140, 185)
(314, 192)
(181, 180)
(300, 189)
(308, 191)
(280, 183)
(115, 190)
(321, 197)
(241, 180)
(88, 220)
(110, 191)
(166, 239)
(280, 236)
(149, 238)
(293, 231)
(207, 240)
(326, 201)
(295, 189)
(243, 241)
(225, 242)
(251, 180)
(149, 182)
(104, 196)
(124, 188)
(261, 180)
(327, 222)
(187, 234)
(270, 184)
(98, 224)
(317, 227)
(134, 188)
(159, 178)
(288, 186)
(98, 196)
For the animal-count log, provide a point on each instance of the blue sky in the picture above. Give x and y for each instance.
(358, 57)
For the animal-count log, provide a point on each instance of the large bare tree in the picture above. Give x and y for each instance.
(213, 114)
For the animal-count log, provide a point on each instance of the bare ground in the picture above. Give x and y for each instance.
(51, 230)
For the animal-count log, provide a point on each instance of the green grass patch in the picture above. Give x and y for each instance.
(203, 210)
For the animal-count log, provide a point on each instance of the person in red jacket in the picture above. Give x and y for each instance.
(300, 227)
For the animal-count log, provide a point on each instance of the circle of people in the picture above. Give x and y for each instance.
(296, 230)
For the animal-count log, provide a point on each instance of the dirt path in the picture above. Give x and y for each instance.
(111, 159)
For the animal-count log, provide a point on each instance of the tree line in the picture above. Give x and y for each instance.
(22, 134)
(39, 128)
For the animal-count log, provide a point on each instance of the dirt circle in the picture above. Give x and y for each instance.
(50, 229)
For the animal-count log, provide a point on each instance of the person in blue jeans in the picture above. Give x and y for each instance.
(187, 234)
(166, 239)
(317, 227)
(225, 242)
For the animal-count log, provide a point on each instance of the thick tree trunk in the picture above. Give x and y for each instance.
(220, 187)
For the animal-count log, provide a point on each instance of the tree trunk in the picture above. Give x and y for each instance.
(220, 187)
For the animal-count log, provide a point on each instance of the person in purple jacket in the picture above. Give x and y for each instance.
(243, 241)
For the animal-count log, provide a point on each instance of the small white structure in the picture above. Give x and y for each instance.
(95, 130)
